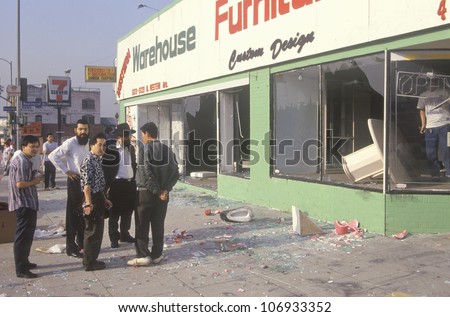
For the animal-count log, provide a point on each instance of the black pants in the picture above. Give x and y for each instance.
(122, 194)
(93, 230)
(74, 217)
(26, 224)
(151, 211)
(50, 173)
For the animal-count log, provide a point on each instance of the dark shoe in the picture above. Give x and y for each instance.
(129, 239)
(114, 244)
(31, 266)
(75, 254)
(26, 274)
(98, 265)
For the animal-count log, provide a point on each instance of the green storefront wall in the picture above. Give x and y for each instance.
(377, 212)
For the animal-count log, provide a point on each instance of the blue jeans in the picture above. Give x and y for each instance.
(435, 139)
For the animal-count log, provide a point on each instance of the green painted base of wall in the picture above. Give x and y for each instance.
(417, 213)
(321, 202)
(376, 212)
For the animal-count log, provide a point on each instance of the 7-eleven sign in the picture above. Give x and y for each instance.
(59, 89)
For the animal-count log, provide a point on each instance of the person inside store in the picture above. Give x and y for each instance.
(157, 173)
(92, 181)
(434, 107)
(23, 200)
(68, 158)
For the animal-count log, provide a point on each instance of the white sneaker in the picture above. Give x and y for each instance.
(140, 261)
(157, 260)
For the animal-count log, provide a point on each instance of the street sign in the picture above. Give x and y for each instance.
(58, 93)
(34, 104)
(9, 109)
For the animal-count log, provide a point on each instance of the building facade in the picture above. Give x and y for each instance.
(313, 104)
(85, 103)
(40, 119)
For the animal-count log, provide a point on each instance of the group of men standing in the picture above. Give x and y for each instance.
(104, 179)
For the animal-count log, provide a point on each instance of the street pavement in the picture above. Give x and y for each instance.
(210, 257)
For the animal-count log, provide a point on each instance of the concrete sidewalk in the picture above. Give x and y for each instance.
(217, 258)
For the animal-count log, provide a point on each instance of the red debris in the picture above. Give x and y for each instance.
(341, 227)
(400, 235)
(179, 235)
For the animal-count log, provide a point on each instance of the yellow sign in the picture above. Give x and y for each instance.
(106, 74)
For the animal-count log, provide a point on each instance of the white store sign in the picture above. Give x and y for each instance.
(197, 40)
(13, 90)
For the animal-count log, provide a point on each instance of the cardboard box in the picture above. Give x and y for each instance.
(7, 226)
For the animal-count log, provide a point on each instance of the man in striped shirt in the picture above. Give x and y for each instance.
(23, 199)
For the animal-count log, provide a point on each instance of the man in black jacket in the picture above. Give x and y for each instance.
(119, 165)
(157, 173)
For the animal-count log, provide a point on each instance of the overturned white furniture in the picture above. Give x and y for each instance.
(363, 163)
(367, 163)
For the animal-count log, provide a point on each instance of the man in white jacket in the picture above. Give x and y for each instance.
(68, 158)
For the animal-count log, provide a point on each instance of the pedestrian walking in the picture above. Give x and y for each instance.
(49, 169)
(122, 188)
(157, 173)
(8, 151)
(68, 158)
(23, 199)
(94, 205)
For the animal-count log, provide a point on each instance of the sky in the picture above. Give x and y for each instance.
(56, 35)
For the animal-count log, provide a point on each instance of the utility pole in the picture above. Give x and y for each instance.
(9, 99)
(19, 101)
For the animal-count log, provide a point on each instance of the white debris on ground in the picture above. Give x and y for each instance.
(52, 230)
(261, 238)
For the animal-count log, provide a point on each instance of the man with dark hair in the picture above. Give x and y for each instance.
(93, 186)
(122, 185)
(109, 133)
(23, 199)
(49, 169)
(156, 175)
(68, 158)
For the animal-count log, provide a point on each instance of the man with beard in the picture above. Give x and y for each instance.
(122, 185)
(68, 158)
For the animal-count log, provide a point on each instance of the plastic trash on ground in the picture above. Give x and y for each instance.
(344, 227)
(55, 249)
(240, 214)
